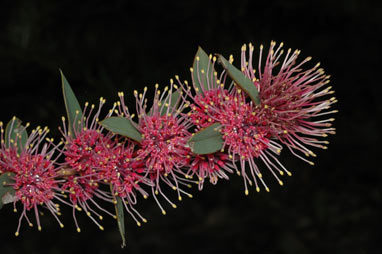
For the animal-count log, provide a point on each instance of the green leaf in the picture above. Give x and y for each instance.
(72, 105)
(15, 134)
(175, 99)
(120, 213)
(241, 80)
(206, 141)
(203, 73)
(6, 192)
(122, 126)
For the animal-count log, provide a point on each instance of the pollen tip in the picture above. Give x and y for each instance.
(173, 206)
(139, 224)
(257, 189)
(17, 233)
(190, 196)
(61, 225)
(78, 230)
(180, 198)
(163, 212)
(100, 227)
(30, 225)
(144, 220)
(267, 189)
(289, 173)
(246, 192)
(39, 228)
(281, 183)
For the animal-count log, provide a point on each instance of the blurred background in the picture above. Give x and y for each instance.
(108, 46)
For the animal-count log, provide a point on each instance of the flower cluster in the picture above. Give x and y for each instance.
(171, 146)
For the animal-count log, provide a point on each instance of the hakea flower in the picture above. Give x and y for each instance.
(34, 174)
(294, 102)
(125, 175)
(245, 135)
(83, 151)
(93, 159)
(164, 136)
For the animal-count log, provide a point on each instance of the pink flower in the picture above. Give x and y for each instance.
(93, 159)
(83, 152)
(162, 149)
(34, 175)
(246, 136)
(294, 103)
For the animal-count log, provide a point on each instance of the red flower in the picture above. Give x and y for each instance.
(34, 175)
(245, 136)
(163, 148)
(294, 104)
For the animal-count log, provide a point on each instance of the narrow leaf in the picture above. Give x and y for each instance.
(175, 99)
(15, 134)
(241, 80)
(6, 192)
(207, 140)
(73, 109)
(203, 72)
(122, 126)
(120, 213)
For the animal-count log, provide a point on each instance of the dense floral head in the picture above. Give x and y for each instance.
(164, 131)
(33, 173)
(294, 102)
(86, 153)
(246, 137)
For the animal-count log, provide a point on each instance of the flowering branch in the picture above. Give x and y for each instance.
(195, 132)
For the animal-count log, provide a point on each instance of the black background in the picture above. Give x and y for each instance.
(108, 46)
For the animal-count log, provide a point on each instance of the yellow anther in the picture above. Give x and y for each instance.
(138, 224)
(257, 189)
(267, 189)
(163, 212)
(100, 227)
(246, 192)
(17, 233)
(78, 230)
(173, 206)
(61, 225)
(281, 183)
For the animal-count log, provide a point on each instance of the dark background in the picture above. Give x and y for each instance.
(109, 46)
